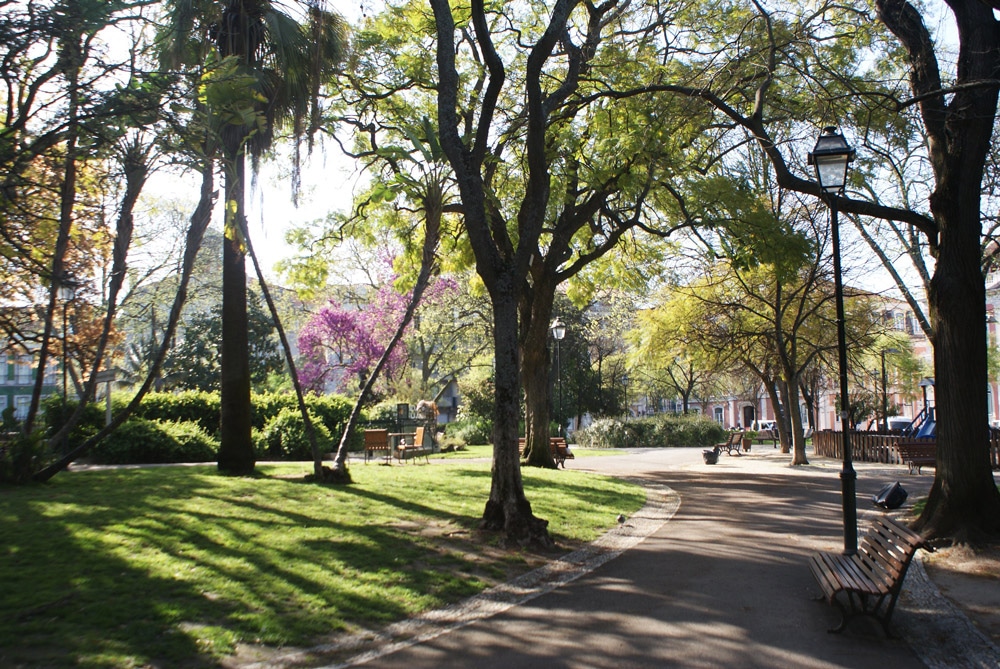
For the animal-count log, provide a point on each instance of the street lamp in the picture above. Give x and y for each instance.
(925, 383)
(625, 387)
(830, 158)
(558, 332)
(66, 293)
(885, 387)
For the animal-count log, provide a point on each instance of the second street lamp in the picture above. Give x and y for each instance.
(558, 332)
(830, 157)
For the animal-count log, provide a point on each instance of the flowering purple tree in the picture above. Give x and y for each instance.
(339, 344)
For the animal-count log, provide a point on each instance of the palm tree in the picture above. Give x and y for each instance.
(273, 62)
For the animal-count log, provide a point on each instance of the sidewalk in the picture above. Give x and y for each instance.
(711, 573)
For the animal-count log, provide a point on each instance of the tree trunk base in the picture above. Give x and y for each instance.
(335, 475)
(973, 524)
(520, 527)
(543, 460)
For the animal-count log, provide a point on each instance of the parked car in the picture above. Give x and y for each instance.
(899, 423)
(764, 425)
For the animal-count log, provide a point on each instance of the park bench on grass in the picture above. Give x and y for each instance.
(871, 579)
(916, 454)
(734, 443)
(406, 451)
(377, 442)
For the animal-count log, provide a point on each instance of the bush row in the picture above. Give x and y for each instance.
(184, 427)
(654, 432)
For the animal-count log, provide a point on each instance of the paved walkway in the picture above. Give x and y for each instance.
(711, 573)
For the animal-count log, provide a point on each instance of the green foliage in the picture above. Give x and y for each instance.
(21, 456)
(143, 441)
(284, 437)
(192, 406)
(472, 430)
(655, 432)
(477, 398)
(194, 363)
(55, 415)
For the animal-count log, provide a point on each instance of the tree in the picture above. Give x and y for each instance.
(792, 65)
(193, 363)
(274, 65)
(673, 355)
(341, 346)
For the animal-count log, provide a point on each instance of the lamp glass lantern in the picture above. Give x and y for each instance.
(558, 330)
(830, 158)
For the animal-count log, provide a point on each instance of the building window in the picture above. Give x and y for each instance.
(22, 371)
(4, 371)
(21, 404)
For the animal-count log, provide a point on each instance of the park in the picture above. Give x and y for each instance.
(514, 240)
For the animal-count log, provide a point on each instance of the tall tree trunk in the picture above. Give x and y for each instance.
(73, 56)
(236, 454)
(536, 367)
(964, 503)
(136, 170)
(507, 508)
(289, 360)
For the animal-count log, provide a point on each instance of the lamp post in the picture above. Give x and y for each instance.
(926, 383)
(66, 293)
(830, 157)
(625, 387)
(885, 388)
(558, 332)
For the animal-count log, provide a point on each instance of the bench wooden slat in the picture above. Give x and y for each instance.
(873, 577)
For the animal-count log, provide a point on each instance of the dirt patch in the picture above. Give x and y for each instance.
(970, 578)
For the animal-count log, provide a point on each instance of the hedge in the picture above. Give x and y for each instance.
(655, 432)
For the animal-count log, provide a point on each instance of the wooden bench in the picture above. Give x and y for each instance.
(871, 579)
(558, 447)
(406, 451)
(917, 453)
(377, 442)
(560, 451)
(734, 443)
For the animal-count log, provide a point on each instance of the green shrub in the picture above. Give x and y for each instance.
(189, 406)
(21, 456)
(654, 432)
(448, 442)
(284, 437)
(143, 441)
(56, 414)
(267, 406)
(472, 430)
(332, 410)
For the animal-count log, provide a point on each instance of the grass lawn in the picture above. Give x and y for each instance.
(173, 566)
